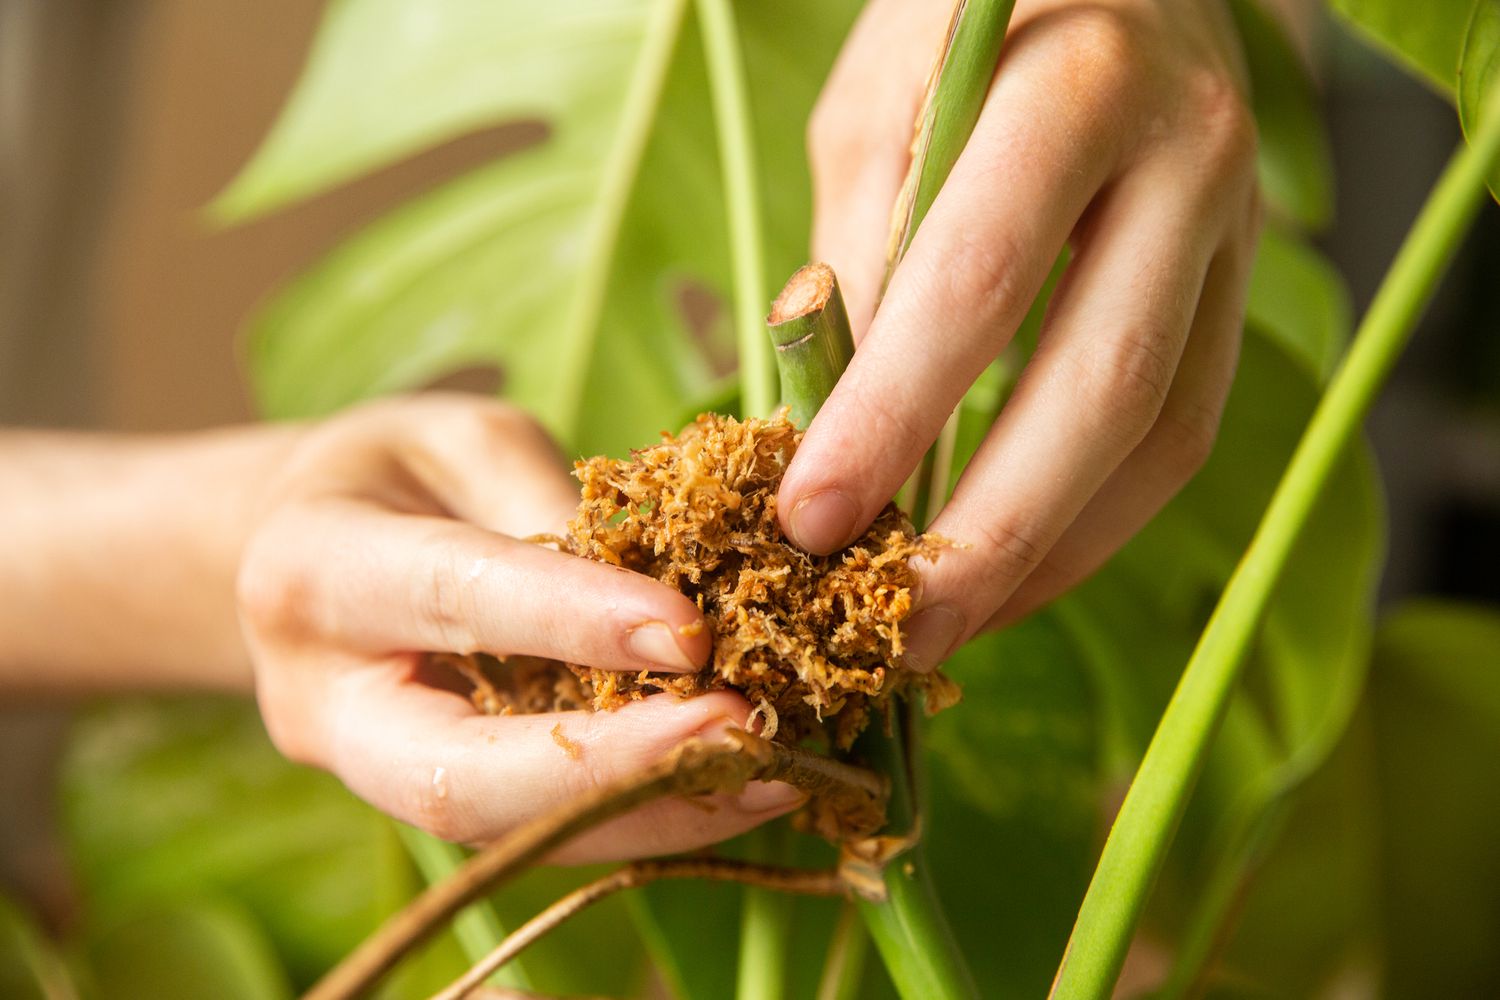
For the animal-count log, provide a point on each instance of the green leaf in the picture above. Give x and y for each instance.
(204, 947)
(386, 79)
(1309, 917)
(170, 800)
(1479, 71)
(1298, 299)
(1294, 160)
(489, 269)
(1425, 38)
(1013, 791)
(1436, 700)
(596, 953)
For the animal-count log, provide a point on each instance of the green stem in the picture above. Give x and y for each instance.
(811, 331)
(738, 162)
(949, 112)
(847, 948)
(477, 928)
(809, 328)
(1148, 818)
(764, 919)
(909, 928)
(622, 165)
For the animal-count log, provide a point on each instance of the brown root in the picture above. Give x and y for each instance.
(811, 882)
(694, 768)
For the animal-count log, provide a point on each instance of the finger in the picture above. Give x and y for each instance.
(1172, 452)
(351, 572)
(1095, 386)
(479, 459)
(972, 271)
(859, 142)
(495, 466)
(427, 758)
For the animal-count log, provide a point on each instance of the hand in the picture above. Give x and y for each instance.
(1116, 127)
(394, 530)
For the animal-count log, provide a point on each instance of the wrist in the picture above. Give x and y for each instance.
(122, 554)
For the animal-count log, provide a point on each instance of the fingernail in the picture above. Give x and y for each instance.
(823, 522)
(928, 637)
(769, 796)
(656, 642)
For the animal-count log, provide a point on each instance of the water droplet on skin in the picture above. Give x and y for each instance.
(440, 782)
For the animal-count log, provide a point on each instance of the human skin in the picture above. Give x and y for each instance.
(315, 565)
(1117, 128)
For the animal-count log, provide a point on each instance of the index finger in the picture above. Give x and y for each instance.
(365, 578)
(1009, 205)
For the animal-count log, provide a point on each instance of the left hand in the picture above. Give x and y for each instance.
(1117, 127)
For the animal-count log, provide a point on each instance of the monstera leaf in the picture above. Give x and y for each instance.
(563, 264)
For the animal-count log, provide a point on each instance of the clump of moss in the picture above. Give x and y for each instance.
(814, 642)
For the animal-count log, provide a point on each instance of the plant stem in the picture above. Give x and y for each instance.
(1148, 818)
(765, 919)
(478, 927)
(780, 881)
(955, 96)
(846, 957)
(909, 927)
(623, 162)
(809, 327)
(739, 165)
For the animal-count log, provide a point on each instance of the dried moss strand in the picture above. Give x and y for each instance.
(806, 882)
(809, 326)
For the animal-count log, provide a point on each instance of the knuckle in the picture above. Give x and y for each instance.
(887, 420)
(1226, 124)
(274, 593)
(1014, 550)
(444, 601)
(500, 418)
(834, 145)
(1189, 436)
(290, 740)
(984, 275)
(1102, 52)
(285, 717)
(1127, 378)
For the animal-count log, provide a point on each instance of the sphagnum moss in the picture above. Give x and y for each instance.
(813, 642)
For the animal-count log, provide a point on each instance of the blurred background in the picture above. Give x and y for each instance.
(119, 306)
